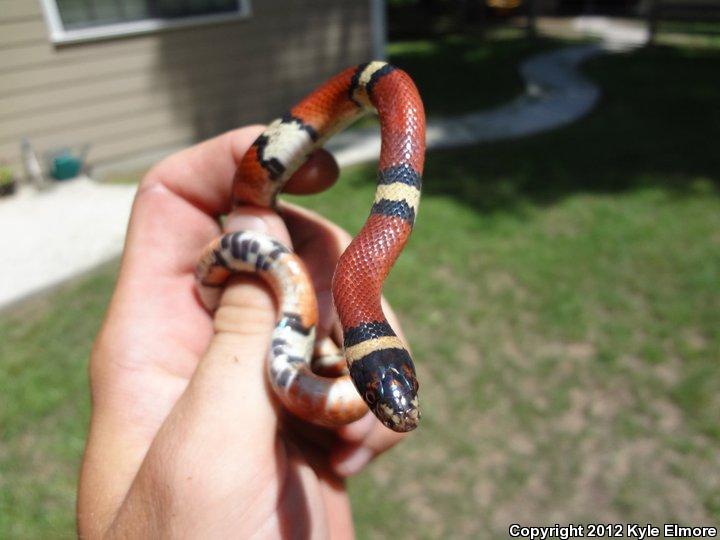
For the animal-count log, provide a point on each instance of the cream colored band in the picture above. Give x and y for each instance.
(399, 192)
(366, 347)
(360, 93)
(369, 71)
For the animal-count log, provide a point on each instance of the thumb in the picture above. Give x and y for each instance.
(219, 445)
(228, 394)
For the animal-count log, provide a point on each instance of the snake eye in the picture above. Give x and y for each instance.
(416, 385)
(370, 397)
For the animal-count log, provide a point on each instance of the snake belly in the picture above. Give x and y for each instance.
(381, 375)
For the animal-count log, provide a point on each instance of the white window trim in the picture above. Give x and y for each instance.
(59, 35)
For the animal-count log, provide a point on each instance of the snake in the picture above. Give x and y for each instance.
(379, 374)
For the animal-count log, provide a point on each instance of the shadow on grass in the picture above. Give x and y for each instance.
(657, 124)
(452, 73)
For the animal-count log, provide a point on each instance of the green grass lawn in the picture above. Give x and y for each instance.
(561, 296)
(698, 33)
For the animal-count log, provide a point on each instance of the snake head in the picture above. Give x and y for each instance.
(386, 381)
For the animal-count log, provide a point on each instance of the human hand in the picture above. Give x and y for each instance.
(185, 437)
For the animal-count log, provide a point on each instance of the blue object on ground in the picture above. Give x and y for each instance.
(65, 166)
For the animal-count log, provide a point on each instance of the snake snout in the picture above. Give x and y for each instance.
(398, 406)
(402, 414)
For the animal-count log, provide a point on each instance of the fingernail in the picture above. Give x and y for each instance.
(240, 222)
(354, 462)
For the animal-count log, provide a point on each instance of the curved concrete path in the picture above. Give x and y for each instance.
(556, 94)
(80, 224)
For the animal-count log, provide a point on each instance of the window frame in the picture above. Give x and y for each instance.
(60, 35)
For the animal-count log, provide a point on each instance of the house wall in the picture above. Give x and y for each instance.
(155, 92)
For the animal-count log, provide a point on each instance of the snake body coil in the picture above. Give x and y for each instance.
(380, 367)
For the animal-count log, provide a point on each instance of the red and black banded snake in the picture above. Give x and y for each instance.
(381, 374)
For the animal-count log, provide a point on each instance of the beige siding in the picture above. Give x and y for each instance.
(17, 9)
(146, 93)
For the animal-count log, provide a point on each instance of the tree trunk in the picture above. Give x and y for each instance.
(653, 17)
(531, 19)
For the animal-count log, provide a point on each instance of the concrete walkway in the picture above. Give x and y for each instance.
(51, 236)
(556, 94)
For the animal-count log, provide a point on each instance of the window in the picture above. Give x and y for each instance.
(80, 20)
